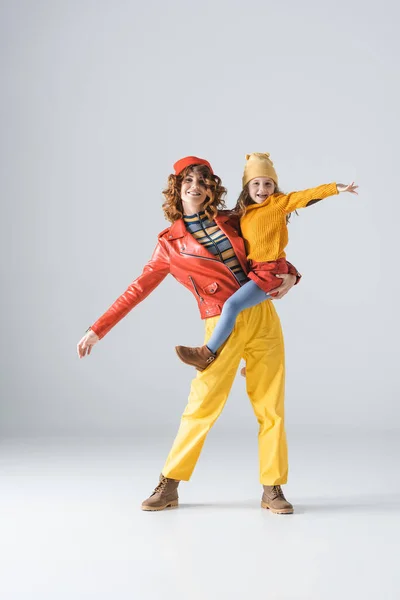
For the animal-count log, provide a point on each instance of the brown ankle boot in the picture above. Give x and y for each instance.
(274, 499)
(165, 495)
(196, 357)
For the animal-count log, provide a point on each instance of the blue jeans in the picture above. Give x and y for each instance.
(247, 296)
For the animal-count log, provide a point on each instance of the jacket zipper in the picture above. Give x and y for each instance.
(195, 288)
(213, 260)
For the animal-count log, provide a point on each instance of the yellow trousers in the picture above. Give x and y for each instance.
(257, 337)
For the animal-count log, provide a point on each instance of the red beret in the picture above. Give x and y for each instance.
(189, 161)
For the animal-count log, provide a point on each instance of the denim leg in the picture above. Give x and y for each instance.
(247, 296)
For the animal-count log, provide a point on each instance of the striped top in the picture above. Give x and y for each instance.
(209, 235)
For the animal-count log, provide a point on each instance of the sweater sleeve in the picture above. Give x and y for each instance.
(153, 273)
(290, 202)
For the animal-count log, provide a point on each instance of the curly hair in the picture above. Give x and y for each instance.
(173, 208)
(245, 200)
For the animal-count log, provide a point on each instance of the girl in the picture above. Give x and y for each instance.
(263, 211)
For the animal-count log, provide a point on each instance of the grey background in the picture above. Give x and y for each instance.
(98, 100)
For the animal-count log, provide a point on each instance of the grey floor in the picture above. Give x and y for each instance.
(71, 527)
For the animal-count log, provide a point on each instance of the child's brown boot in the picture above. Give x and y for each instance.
(196, 357)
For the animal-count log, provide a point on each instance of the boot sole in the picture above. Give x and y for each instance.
(277, 511)
(173, 504)
(188, 363)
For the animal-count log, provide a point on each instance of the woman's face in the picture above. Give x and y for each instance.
(260, 188)
(194, 191)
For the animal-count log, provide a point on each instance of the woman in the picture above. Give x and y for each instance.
(212, 267)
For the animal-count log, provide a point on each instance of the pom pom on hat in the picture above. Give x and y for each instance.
(190, 161)
(259, 164)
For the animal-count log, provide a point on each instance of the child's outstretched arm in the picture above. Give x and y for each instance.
(290, 202)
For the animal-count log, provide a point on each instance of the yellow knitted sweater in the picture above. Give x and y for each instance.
(264, 226)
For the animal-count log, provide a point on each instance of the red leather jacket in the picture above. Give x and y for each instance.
(179, 253)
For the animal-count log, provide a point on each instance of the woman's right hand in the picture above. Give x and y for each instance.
(86, 343)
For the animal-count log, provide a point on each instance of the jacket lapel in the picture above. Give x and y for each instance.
(189, 243)
(191, 246)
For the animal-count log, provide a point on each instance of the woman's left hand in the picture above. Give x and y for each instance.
(287, 284)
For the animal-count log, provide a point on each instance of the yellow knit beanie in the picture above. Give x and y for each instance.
(259, 165)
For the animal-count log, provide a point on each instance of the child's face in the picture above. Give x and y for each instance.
(194, 190)
(260, 188)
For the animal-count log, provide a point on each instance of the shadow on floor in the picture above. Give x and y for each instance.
(353, 504)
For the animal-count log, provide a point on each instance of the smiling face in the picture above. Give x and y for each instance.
(194, 191)
(260, 188)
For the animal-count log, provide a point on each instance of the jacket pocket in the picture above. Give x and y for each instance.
(211, 288)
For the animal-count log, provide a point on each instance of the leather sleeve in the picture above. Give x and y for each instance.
(294, 271)
(152, 275)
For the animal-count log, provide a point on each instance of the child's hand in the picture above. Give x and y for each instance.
(342, 187)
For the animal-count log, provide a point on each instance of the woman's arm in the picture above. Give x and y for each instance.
(293, 271)
(289, 279)
(153, 273)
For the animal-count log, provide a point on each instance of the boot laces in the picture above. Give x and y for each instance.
(276, 492)
(161, 486)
